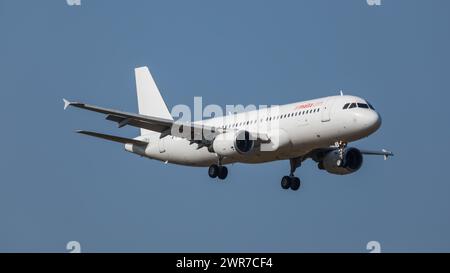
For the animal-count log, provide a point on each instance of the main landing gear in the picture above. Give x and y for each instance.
(218, 171)
(292, 182)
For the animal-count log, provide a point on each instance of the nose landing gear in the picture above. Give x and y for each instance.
(341, 145)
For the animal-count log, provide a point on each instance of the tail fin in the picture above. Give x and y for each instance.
(150, 101)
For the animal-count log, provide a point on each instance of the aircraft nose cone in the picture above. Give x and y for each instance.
(372, 121)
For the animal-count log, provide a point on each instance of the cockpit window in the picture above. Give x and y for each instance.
(358, 105)
(363, 105)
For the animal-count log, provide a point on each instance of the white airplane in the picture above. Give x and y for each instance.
(317, 129)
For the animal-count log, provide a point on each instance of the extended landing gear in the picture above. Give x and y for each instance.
(218, 171)
(341, 145)
(292, 182)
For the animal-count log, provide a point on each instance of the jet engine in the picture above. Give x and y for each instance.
(233, 144)
(353, 160)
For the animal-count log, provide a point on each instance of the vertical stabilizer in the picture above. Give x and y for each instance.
(150, 101)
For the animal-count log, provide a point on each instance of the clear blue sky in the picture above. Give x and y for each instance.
(57, 186)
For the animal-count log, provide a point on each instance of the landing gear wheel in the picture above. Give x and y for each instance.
(295, 183)
(213, 171)
(286, 182)
(223, 172)
(341, 145)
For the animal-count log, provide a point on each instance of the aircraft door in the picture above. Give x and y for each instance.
(326, 110)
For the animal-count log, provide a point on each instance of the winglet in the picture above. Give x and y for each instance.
(66, 104)
(387, 154)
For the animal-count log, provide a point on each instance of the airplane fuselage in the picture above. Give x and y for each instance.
(298, 129)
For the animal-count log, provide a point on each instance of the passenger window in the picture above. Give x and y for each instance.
(346, 106)
(353, 105)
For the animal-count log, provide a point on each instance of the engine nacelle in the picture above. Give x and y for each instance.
(353, 160)
(233, 144)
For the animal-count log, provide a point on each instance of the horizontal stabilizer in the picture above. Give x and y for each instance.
(114, 138)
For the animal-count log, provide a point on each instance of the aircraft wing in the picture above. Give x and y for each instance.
(383, 152)
(125, 118)
(317, 154)
(195, 131)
